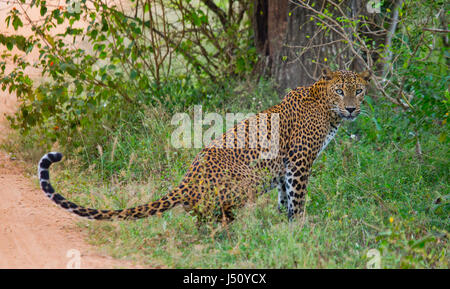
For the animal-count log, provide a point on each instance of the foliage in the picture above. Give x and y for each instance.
(419, 71)
(402, 46)
(110, 61)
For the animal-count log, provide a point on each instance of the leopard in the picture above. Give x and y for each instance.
(273, 149)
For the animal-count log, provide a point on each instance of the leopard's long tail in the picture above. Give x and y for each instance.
(172, 199)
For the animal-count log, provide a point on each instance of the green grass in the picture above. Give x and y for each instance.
(359, 199)
(368, 192)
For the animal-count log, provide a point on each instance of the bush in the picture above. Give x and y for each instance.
(133, 58)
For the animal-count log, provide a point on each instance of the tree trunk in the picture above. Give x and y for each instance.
(269, 24)
(260, 25)
(293, 48)
(292, 65)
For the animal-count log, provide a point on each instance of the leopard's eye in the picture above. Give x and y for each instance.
(358, 91)
(339, 91)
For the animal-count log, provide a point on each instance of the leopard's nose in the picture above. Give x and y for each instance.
(350, 109)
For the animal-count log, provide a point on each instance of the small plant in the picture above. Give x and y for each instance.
(409, 246)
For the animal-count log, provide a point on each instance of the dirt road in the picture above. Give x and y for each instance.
(34, 232)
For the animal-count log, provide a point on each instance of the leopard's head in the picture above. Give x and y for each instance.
(345, 91)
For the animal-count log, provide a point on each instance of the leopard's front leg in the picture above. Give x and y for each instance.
(282, 197)
(296, 180)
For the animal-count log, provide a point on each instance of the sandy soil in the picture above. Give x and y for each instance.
(34, 232)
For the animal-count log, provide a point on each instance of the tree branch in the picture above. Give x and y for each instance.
(436, 30)
(219, 12)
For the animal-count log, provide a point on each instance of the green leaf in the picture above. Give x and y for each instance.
(7, 20)
(17, 22)
(443, 137)
(421, 243)
(43, 8)
(385, 233)
(133, 74)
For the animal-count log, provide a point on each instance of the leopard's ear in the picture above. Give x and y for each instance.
(366, 75)
(327, 74)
